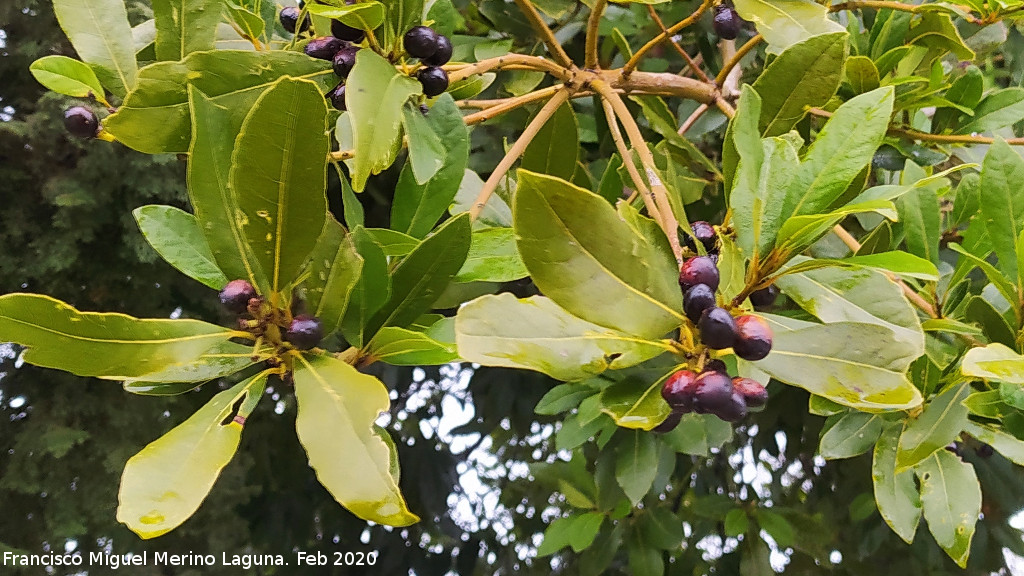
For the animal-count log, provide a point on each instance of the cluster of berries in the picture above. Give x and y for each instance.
(433, 50)
(749, 336)
(339, 48)
(239, 296)
(726, 22)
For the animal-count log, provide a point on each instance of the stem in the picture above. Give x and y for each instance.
(692, 119)
(507, 104)
(728, 66)
(693, 65)
(342, 155)
(593, 23)
(627, 161)
(516, 151)
(672, 31)
(554, 47)
(508, 61)
(926, 137)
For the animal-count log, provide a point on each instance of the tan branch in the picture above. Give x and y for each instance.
(591, 58)
(554, 46)
(671, 31)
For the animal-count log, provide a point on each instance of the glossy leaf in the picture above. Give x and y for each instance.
(636, 463)
(577, 531)
(374, 102)
(588, 261)
(897, 262)
(555, 148)
(67, 76)
(698, 434)
(1008, 445)
(178, 238)
(534, 333)
(185, 26)
(393, 243)
(403, 347)
(279, 177)
(635, 404)
(759, 194)
(895, 492)
(852, 434)
(155, 119)
(223, 359)
(799, 232)
(164, 484)
(951, 497)
(426, 152)
(999, 109)
(334, 269)
(113, 346)
(936, 427)
(363, 16)
(1002, 202)
(337, 409)
(919, 213)
(994, 362)
(370, 292)
(786, 22)
(100, 33)
(492, 258)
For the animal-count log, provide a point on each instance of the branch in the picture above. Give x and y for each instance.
(591, 60)
(672, 31)
(728, 66)
(507, 104)
(627, 161)
(516, 151)
(926, 137)
(661, 25)
(554, 47)
(661, 83)
(461, 72)
(692, 119)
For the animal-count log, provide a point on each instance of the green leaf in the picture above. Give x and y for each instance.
(799, 232)
(402, 347)
(492, 258)
(987, 404)
(279, 177)
(577, 531)
(847, 362)
(862, 74)
(100, 33)
(843, 148)
(416, 208)
(951, 496)
(635, 404)
(919, 213)
(374, 99)
(941, 422)
(587, 260)
(994, 362)
(636, 464)
(165, 483)
(215, 205)
(895, 492)
(1006, 444)
(998, 110)
(776, 526)
(536, 334)
(562, 398)
(68, 76)
(1002, 202)
(897, 262)
(334, 269)
(759, 193)
(1001, 283)
(556, 147)
(786, 22)
(421, 277)
(337, 408)
(393, 243)
(154, 118)
(495, 213)
(936, 30)
(370, 292)
(426, 152)
(660, 528)
(731, 268)
(185, 26)
(178, 238)
(364, 16)
(223, 359)
(736, 522)
(852, 434)
(352, 208)
(807, 74)
(112, 346)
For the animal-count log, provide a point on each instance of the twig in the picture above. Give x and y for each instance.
(627, 161)
(554, 47)
(661, 25)
(591, 60)
(898, 6)
(516, 151)
(692, 119)
(728, 66)
(509, 61)
(672, 31)
(342, 155)
(926, 137)
(507, 104)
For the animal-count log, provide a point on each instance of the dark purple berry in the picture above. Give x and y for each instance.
(337, 97)
(678, 390)
(753, 337)
(668, 424)
(716, 365)
(699, 270)
(442, 54)
(343, 31)
(434, 81)
(734, 410)
(420, 42)
(954, 448)
(81, 122)
(717, 328)
(304, 332)
(344, 60)
(752, 391)
(705, 234)
(236, 295)
(984, 451)
(324, 47)
(696, 300)
(764, 297)
(290, 18)
(712, 392)
(726, 22)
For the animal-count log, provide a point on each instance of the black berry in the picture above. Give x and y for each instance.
(753, 338)
(434, 81)
(713, 392)
(236, 295)
(305, 332)
(678, 390)
(344, 60)
(716, 365)
(752, 391)
(984, 451)
(324, 47)
(290, 18)
(81, 122)
(734, 410)
(717, 328)
(705, 234)
(699, 270)
(345, 32)
(420, 42)
(696, 300)
(726, 22)
(337, 97)
(764, 297)
(668, 424)
(442, 54)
